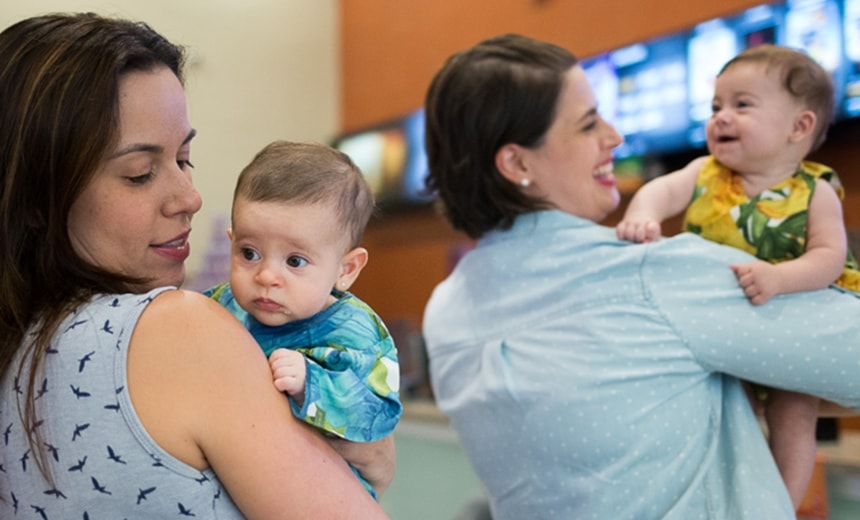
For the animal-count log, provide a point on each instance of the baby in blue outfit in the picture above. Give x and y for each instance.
(299, 212)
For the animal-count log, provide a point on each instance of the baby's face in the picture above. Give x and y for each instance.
(285, 259)
(753, 117)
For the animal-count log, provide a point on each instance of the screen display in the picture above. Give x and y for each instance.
(415, 170)
(851, 37)
(380, 153)
(641, 90)
(392, 158)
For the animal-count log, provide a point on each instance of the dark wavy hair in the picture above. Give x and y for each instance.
(59, 86)
(503, 90)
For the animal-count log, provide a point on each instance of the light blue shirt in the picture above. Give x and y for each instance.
(590, 378)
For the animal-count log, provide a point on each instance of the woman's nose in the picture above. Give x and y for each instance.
(611, 136)
(192, 200)
(185, 198)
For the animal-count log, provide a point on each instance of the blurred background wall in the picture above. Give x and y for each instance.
(259, 70)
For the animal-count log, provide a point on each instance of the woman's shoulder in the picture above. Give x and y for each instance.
(183, 326)
(185, 304)
(192, 317)
(190, 352)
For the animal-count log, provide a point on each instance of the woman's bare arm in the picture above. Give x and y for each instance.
(659, 199)
(203, 389)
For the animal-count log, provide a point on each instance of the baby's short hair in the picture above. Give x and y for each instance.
(309, 173)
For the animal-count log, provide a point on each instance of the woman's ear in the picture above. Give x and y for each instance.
(509, 162)
(350, 266)
(804, 126)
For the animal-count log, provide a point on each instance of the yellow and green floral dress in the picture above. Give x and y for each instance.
(772, 225)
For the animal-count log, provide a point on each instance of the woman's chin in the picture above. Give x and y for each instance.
(612, 203)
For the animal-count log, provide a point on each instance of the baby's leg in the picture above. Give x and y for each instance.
(791, 420)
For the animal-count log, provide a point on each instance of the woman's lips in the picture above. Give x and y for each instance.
(604, 174)
(176, 250)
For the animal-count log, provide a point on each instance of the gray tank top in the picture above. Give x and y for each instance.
(104, 463)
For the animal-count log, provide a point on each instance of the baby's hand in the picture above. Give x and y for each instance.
(638, 229)
(760, 280)
(289, 372)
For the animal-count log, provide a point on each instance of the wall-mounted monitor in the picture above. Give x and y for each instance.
(851, 40)
(392, 158)
(642, 90)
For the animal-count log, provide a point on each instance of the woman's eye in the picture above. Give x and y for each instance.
(249, 254)
(184, 164)
(140, 179)
(296, 261)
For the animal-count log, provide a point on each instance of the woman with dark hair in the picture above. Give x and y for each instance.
(122, 396)
(589, 377)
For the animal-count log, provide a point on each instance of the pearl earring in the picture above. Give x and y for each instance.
(525, 183)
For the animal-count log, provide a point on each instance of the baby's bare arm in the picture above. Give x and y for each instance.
(375, 460)
(826, 242)
(819, 266)
(659, 199)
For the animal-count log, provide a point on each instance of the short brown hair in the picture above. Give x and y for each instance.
(801, 76)
(503, 90)
(309, 173)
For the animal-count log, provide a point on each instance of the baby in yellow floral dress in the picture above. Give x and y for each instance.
(771, 107)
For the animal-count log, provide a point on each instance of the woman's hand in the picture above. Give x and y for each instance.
(376, 461)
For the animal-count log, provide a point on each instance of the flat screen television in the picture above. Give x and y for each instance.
(392, 158)
(642, 90)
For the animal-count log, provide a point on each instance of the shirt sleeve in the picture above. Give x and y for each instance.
(807, 342)
(352, 393)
